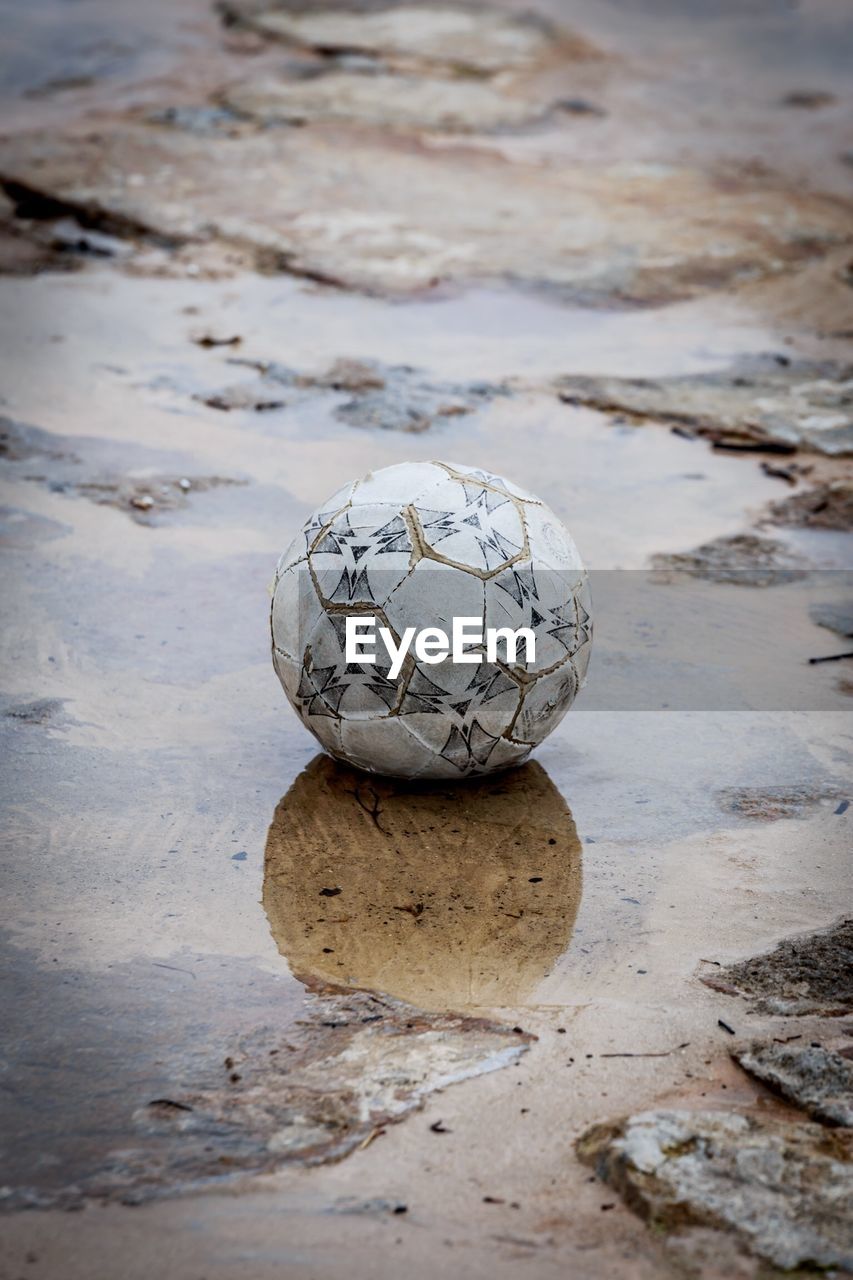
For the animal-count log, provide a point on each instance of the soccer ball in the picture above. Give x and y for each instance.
(396, 561)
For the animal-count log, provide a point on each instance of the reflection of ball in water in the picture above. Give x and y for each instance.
(448, 897)
(417, 546)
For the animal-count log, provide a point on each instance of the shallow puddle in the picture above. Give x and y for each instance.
(227, 955)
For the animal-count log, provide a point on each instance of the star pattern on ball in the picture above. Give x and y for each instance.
(356, 548)
(474, 521)
(567, 621)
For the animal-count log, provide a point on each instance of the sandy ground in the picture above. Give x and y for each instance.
(166, 818)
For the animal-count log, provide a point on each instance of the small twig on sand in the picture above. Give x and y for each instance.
(664, 1053)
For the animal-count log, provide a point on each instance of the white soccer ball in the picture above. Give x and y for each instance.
(390, 563)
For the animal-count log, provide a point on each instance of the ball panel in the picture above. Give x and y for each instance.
(432, 595)
(296, 610)
(327, 730)
(469, 525)
(545, 703)
(507, 753)
(490, 478)
(319, 519)
(539, 601)
(399, 484)
(294, 554)
(330, 684)
(362, 555)
(388, 749)
(583, 638)
(289, 673)
(551, 545)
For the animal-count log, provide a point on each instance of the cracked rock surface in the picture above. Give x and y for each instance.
(769, 400)
(352, 1064)
(812, 973)
(460, 37)
(428, 218)
(744, 558)
(818, 1080)
(370, 394)
(457, 106)
(785, 1189)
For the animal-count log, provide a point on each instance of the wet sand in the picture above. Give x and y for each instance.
(169, 828)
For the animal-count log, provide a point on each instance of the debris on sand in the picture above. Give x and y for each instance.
(208, 340)
(812, 973)
(784, 1189)
(771, 803)
(354, 1063)
(744, 559)
(827, 506)
(401, 217)
(143, 499)
(816, 1079)
(41, 711)
(20, 441)
(388, 397)
(836, 616)
(462, 39)
(769, 402)
(62, 471)
(808, 99)
(385, 98)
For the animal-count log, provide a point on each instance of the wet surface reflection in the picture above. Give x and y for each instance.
(449, 897)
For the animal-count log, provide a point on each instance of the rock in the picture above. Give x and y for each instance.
(201, 120)
(760, 401)
(398, 101)
(827, 506)
(42, 711)
(388, 397)
(91, 472)
(770, 803)
(253, 396)
(812, 973)
(352, 1064)
(816, 1079)
(479, 40)
(835, 616)
(808, 99)
(151, 497)
(785, 1190)
(20, 441)
(744, 559)
(397, 217)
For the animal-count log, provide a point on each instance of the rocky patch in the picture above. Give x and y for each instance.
(785, 1190)
(827, 506)
(399, 217)
(43, 458)
(763, 403)
(370, 394)
(815, 1079)
(744, 559)
(458, 38)
(353, 1064)
(803, 975)
(385, 98)
(770, 804)
(835, 616)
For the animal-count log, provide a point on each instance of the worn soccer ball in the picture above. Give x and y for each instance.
(400, 557)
